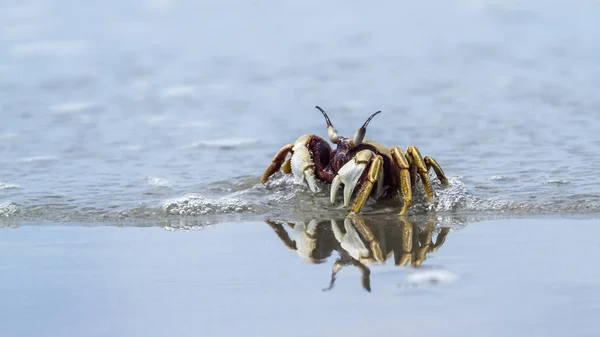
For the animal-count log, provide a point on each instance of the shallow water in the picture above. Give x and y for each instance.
(533, 277)
(140, 110)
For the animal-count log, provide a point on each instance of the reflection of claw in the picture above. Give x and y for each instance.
(350, 241)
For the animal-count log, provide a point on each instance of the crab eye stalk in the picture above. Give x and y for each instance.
(331, 131)
(359, 135)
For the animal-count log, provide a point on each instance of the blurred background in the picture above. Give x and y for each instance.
(118, 108)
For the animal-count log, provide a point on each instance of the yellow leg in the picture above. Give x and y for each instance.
(417, 160)
(405, 184)
(276, 162)
(367, 185)
(431, 163)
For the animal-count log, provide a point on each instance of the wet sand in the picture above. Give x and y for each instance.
(507, 277)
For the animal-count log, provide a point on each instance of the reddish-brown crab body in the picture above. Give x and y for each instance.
(328, 162)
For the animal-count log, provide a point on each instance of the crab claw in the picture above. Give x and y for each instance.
(349, 175)
(303, 166)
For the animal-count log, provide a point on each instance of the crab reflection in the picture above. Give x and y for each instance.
(361, 241)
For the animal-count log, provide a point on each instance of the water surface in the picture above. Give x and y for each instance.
(133, 135)
(532, 277)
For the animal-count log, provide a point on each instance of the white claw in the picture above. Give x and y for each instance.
(303, 166)
(348, 189)
(309, 175)
(335, 185)
(348, 175)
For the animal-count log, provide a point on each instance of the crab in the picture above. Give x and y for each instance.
(365, 168)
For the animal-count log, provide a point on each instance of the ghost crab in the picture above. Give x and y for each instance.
(378, 172)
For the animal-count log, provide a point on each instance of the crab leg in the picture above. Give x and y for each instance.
(430, 162)
(367, 185)
(405, 185)
(276, 162)
(417, 160)
(350, 174)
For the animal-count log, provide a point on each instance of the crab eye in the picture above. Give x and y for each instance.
(359, 135)
(331, 131)
(333, 135)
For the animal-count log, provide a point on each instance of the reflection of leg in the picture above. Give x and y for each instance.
(406, 250)
(365, 272)
(382, 243)
(441, 238)
(337, 266)
(423, 244)
(367, 234)
(282, 234)
(366, 276)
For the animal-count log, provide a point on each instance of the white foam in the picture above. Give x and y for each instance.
(71, 107)
(49, 48)
(194, 204)
(38, 159)
(179, 91)
(134, 148)
(8, 209)
(5, 186)
(222, 143)
(159, 182)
